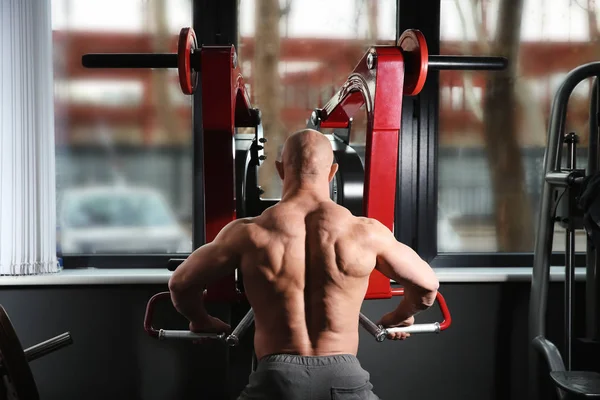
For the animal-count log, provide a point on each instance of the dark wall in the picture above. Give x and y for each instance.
(482, 356)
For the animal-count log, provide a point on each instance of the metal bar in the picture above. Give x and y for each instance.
(569, 261)
(44, 348)
(188, 335)
(592, 285)
(203, 36)
(234, 338)
(416, 328)
(569, 288)
(375, 330)
(133, 60)
(49, 346)
(470, 63)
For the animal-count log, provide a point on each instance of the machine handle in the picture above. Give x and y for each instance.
(416, 328)
(188, 335)
(467, 63)
(445, 324)
(48, 346)
(380, 333)
(231, 339)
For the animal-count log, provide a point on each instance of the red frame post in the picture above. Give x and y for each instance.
(225, 105)
(377, 82)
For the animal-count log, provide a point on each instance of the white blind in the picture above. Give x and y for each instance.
(27, 165)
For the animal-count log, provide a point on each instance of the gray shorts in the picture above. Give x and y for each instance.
(292, 377)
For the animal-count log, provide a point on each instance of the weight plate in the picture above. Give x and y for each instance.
(14, 363)
(188, 77)
(416, 58)
(349, 179)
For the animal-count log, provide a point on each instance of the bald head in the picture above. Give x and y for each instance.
(307, 155)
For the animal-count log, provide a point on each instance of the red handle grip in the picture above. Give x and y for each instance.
(150, 312)
(445, 324)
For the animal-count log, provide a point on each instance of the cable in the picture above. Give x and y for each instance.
(557, 203)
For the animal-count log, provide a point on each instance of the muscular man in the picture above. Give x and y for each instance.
(306, 263)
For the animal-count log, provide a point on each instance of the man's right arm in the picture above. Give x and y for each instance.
(403, 265)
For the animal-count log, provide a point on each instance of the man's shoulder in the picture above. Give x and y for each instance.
(237, 231)
(369, 223)
(369, 229)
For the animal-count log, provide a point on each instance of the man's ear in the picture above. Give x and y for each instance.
(332, 171)
(279, 166)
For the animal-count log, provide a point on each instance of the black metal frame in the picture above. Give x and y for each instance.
(417, 197)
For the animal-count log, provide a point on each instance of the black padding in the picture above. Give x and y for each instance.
(173, 263)
(585, 384)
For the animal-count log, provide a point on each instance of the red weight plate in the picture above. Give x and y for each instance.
(188, 78)
(14, 363)
(416, 58)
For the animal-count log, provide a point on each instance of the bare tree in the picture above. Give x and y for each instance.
(512, 208)
(513, 214)
(267, 85)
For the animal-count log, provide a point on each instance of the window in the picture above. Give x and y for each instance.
(492, 140)
(123, 153)
(296, 54)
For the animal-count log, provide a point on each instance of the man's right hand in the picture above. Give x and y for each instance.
(396, 319)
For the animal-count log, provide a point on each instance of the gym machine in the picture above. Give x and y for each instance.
(570, 197)
(16, 379)
(379, 81)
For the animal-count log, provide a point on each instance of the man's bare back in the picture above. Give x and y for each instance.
(306, 264)
(306, 274)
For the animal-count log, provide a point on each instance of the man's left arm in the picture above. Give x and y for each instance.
(205, 265)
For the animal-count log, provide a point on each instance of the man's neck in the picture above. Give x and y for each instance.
(316, 191)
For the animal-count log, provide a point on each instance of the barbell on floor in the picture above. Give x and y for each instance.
(16, 378)
(187, 60)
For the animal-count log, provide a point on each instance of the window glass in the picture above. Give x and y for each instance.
(493, 126)
(296, 54)
(123, 136)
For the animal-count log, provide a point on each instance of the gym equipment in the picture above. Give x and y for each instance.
(231, 339)
(383, 76)
(229, 108)
(567, 198)
(16, 379)
(380, 333)
(188, 60)
(379, 82)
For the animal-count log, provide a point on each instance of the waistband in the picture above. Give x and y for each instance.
(310, 361)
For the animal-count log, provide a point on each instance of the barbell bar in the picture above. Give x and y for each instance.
(187, 60)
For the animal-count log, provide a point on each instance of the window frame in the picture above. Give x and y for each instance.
(215, 23)
(417, 194)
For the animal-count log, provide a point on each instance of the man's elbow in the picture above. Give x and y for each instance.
(177, 286)
(430, 290)
(426, 290)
